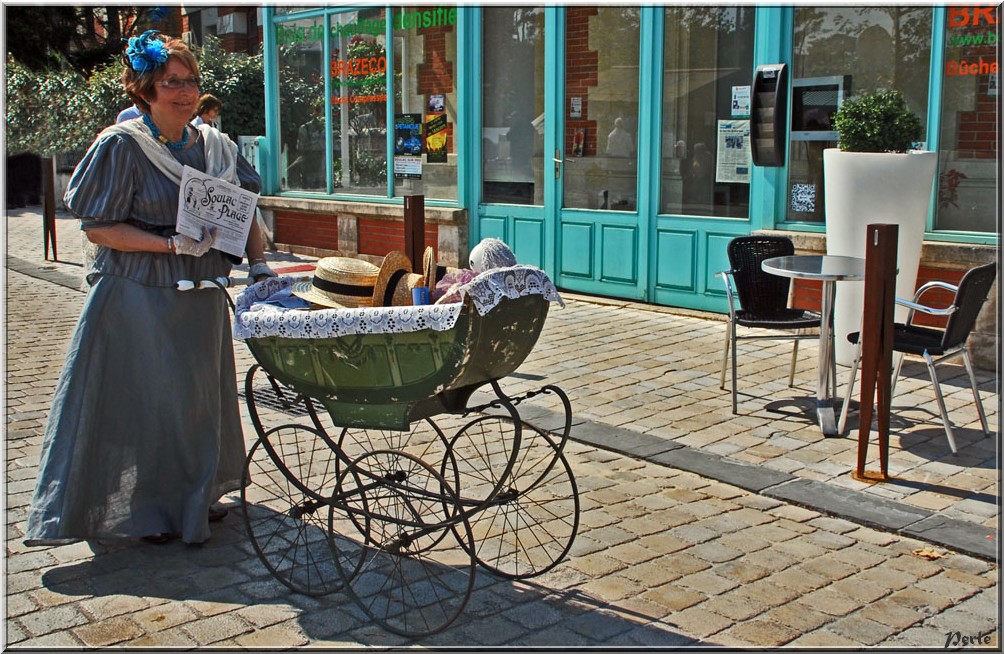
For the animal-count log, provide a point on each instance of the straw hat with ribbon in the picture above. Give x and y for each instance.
(340, 282)
(395, 281)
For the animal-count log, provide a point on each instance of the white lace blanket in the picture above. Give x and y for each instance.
(259, 314)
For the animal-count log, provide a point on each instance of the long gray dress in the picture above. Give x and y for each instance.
(144, 432)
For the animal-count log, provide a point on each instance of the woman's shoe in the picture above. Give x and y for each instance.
(215, 515)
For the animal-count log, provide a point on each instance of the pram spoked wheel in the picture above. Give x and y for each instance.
(289, 476)
(529, 525)
(410, 579)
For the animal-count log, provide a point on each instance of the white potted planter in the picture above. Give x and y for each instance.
(874, 178)
(865, 188)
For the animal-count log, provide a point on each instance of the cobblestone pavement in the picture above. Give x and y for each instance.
(698, 528)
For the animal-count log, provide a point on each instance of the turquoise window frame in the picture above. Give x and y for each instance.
(270, 182)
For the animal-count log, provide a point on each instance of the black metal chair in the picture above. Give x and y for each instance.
(935, 345)
(763, 298)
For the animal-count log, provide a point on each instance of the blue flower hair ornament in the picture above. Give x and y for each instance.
(146, 52)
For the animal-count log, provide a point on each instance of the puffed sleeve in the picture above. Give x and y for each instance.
(102, 185)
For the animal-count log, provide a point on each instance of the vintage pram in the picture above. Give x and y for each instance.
(398, 491)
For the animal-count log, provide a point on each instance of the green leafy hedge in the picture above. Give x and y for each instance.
(58, 112)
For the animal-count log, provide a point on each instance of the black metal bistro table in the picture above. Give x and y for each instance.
(829, 270)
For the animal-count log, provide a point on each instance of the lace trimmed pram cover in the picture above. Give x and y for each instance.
(258, 315)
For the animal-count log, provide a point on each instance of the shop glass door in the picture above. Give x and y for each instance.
(513, 126)
(596, 157)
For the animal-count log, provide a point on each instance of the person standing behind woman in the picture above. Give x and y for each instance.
(207, 111)
(145, 434)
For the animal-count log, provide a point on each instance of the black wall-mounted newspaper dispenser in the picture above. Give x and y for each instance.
(769, 114)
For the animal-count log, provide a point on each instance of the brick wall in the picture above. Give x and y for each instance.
(581, 74)
(369, 232)
(306, 229)
(378, 237)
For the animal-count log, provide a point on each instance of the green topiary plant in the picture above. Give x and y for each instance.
(877, 122)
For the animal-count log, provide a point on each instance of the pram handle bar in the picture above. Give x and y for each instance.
(224, 282)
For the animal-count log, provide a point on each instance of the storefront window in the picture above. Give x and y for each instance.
(601, 107)
(706, 160)
(841, 52)
(968, 193)
(358, 72)
(425, 101)
(512, 105)
(301, 105)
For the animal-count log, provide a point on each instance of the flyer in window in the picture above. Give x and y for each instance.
(734, 156)
(208, 201)
(408, 146)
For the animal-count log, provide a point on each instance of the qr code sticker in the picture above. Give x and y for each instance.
(803, 198)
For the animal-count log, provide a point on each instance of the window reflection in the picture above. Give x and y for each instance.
(601, 107)
(512, 105)
(301, 107)
(705, 125)
(969, 163)
(358, 71)
(425, 86)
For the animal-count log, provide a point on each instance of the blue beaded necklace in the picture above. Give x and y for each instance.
(176, 145)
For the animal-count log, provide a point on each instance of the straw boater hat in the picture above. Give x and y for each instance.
(395, 281)
(340, 282)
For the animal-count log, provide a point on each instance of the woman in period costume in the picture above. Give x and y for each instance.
(145, 433)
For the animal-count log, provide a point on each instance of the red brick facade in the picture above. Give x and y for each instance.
(378, 237)
(581, 74)
(308, 229)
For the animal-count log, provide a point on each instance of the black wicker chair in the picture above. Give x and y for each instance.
(763, 298)
(934, 345)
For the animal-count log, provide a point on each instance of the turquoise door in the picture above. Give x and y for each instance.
(601, 211)
(516, 89)
(637, 178)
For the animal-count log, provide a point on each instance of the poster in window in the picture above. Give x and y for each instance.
(734, 155)
(740, 101)
(408, 146)
(437, 103)
(435, 138)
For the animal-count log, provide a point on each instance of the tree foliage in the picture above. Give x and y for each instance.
(877, 122)
(58, 111)
(82, 38)
(62, 111)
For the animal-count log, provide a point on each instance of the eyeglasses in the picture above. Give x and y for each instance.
(178, 83)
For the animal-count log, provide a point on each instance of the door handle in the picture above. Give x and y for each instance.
(557, 163)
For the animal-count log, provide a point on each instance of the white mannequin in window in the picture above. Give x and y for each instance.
(619, 142)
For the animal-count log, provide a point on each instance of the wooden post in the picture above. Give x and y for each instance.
(414, 230)
(49, 206)
(876, 343)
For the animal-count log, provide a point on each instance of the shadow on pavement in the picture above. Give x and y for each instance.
(224, 574)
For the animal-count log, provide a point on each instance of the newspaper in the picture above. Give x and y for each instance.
(208, 201)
